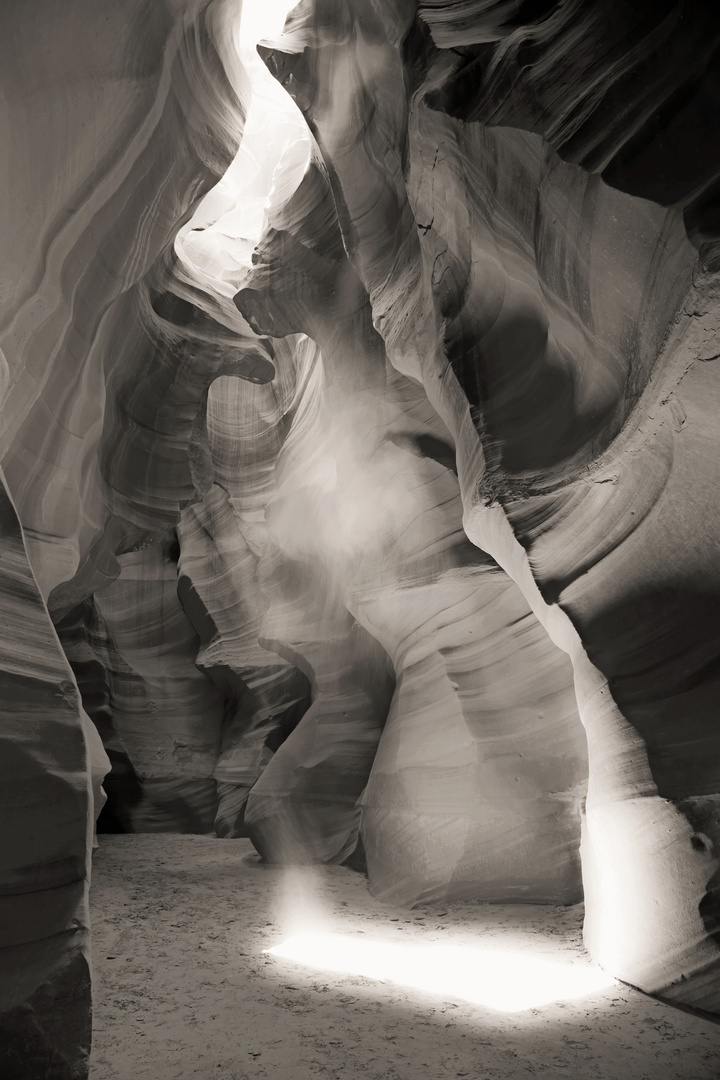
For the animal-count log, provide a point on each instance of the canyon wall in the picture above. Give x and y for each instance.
(360, 441)
(563, 324)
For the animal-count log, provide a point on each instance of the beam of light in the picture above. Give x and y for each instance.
(300, 904)
(496, 978)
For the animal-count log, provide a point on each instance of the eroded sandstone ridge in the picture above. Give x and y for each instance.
(361, 444)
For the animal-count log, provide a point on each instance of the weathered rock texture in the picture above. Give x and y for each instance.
(560, 328)
(45, 833)
(361, 424)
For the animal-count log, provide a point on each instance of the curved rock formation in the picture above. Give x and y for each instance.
(110, 148)
(364, 459)
(47, 815)
(553, 323)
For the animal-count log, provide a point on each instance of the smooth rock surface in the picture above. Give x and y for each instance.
(545, 314)
(360, 436)
(46, 752)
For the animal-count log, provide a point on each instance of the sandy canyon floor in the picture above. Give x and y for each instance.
(183, 988)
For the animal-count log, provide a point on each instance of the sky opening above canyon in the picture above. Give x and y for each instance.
(216, 245)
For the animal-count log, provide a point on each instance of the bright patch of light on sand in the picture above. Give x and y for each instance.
(497, 978)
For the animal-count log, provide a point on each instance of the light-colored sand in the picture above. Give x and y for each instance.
(183, 990)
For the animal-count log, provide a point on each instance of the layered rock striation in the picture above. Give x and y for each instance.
(556, 324)
(360, 442)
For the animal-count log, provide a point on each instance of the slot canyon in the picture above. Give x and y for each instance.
(359, 529)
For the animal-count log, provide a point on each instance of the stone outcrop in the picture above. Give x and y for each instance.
(360, 439)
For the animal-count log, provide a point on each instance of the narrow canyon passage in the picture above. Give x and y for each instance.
(359, 539)
(182, 988)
